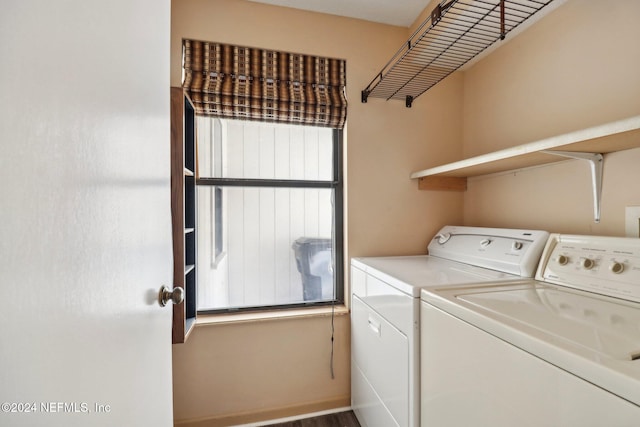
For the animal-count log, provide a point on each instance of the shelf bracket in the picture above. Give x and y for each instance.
(408, 101)
(596, 161)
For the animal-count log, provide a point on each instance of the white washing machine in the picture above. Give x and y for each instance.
(385, 317)
(561, 350)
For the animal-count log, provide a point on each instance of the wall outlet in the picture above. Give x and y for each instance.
(632, 221)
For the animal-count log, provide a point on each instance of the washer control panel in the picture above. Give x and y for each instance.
(605, 265)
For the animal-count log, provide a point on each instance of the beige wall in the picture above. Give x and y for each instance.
(243, 372)
(246, 370)
(576, 68)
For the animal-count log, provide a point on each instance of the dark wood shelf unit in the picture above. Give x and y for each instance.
(183, 212)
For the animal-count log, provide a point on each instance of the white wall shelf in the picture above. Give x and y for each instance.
(610, 137)
(607, 138)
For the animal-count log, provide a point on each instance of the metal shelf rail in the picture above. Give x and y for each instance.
(454, 33)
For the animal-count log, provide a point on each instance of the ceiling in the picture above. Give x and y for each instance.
(392, 12)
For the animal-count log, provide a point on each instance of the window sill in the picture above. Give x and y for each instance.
(260, 316)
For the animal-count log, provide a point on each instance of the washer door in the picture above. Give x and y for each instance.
(605, 326)
(472, 378)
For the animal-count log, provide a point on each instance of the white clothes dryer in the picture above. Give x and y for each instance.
(385, 317)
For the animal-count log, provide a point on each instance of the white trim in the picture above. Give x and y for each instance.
(275, 314)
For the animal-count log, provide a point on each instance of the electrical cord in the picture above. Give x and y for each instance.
(333, 311)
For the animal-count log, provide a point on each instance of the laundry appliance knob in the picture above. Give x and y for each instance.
(443, 237)
(616, 267)
(485, 242)
(588, 263)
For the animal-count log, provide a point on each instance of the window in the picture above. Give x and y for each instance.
(269, 215)
(269, 175)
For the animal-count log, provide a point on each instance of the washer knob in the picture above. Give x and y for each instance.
(563, 259)
(516, 246)
(588, 263)
(616, 267)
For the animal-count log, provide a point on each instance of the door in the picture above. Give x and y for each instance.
(85, 223)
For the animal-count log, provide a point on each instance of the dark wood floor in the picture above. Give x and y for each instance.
(341, 419)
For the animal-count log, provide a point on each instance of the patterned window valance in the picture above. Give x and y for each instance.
(257, 84)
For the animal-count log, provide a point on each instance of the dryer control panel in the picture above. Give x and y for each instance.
(512, 251)
(605, 265)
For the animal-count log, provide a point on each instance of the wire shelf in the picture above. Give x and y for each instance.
(456, 32)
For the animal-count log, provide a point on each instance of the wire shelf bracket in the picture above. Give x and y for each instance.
(454, 33)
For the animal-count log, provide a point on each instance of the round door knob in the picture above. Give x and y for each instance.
(176, 295)
(616, 267)
(588, 263)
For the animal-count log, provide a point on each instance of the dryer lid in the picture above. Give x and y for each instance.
(410, 273)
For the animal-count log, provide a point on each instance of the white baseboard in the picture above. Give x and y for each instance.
(271, 416)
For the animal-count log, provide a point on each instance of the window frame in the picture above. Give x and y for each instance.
(336, 184)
